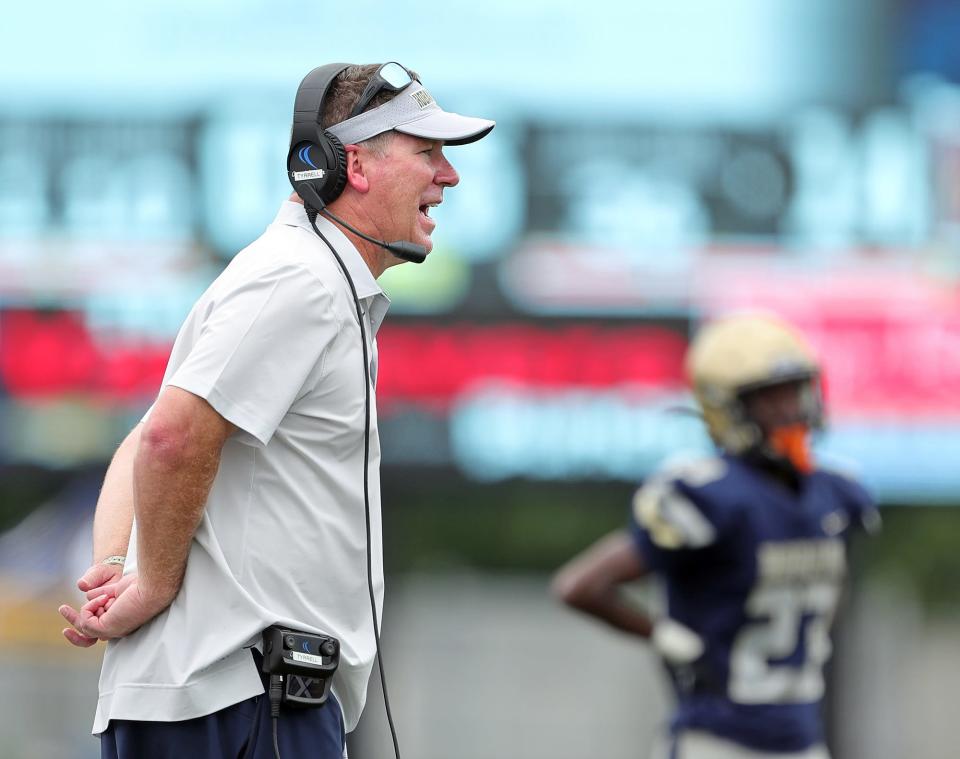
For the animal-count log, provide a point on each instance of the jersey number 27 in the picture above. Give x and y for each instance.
(780, 615)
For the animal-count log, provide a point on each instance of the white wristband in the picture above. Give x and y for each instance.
(118, 560)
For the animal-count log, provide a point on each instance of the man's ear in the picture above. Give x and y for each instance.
(356, 170)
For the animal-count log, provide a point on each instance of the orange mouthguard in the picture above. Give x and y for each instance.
(792, 442)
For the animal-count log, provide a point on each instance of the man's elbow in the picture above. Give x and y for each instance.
(574, 590)
(164, 442)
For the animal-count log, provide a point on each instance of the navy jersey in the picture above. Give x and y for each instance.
(755, 570)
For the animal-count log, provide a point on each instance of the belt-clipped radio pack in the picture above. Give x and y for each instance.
(304, 661)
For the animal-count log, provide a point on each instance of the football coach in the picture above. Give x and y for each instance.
(247, 501)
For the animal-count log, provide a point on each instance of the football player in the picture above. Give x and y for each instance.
(751, 547)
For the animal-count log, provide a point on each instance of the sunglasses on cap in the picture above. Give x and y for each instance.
(391, 77)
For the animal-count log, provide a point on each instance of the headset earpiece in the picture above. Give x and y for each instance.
(317, 160)
(318, 169)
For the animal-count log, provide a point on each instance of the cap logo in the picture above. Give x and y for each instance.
(422, 98)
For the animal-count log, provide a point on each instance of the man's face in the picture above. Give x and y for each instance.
(405, 184)
(777, 406)
(783, 414)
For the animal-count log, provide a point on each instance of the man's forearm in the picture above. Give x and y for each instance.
(619, 613)
(114, 516)
(593, 582)
(174, 468)
(170, 497)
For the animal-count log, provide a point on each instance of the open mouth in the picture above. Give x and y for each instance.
(425, 208)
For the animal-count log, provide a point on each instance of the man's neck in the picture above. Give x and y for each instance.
(775, 468)
(372, 254)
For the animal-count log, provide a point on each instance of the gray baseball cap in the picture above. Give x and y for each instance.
(413, 111)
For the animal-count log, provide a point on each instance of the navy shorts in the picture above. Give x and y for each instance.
(241, 731)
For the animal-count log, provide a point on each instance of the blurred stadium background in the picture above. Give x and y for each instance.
(653, 164)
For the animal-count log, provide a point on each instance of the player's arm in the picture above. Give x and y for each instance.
(592, 580)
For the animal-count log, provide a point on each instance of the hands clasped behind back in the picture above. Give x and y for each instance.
(113, 609)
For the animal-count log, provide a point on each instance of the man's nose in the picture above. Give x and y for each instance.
(446, 174)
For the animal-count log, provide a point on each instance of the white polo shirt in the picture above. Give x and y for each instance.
(274, 346)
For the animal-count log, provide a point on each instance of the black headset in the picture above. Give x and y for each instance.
(316, 161)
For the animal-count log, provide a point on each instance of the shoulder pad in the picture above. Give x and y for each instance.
(694, 473)
(669, 516)
(860, 504)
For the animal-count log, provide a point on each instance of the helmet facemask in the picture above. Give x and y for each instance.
(782, 417)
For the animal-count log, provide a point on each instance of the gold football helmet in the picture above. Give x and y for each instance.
(736, 355)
